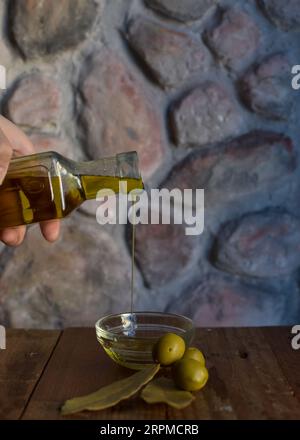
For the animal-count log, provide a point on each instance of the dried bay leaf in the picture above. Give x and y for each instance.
(111, 394)
(163, 390)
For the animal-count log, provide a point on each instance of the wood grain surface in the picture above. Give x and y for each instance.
(21, 367)
(254, 374)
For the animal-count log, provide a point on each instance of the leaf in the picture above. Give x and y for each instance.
(163, 390)
(111, 394)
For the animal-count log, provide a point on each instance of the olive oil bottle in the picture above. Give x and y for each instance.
(49, 186)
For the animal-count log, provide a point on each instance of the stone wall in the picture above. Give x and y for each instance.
(202, 90)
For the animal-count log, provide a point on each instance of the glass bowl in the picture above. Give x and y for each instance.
(129, 339)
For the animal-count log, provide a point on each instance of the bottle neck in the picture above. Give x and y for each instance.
(92, 184)
(101, 167)
(117, 174)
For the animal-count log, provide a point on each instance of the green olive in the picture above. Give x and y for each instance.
(189, 375)
(194, 353)
(168, 349)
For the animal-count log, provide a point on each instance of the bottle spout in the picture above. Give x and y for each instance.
(121, 169)
(128, 165)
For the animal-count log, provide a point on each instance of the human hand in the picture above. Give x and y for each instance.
(13, 142)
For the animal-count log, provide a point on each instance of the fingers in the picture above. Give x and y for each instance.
(5, 155)
(21, 144)
(13, 236)
(50, 229)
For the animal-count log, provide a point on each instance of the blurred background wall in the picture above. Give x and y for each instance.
(202, 90)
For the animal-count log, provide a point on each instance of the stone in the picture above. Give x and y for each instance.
(186, 10)
(205, 115)
(266, 89)
(40, 29)
(72, 282)
(162, 252)
(35, 102)
(235, 39)
(285, 15)
(251, 163)
(221, 302)
(117, 114)
(171, 56)
(89, 207)
(263, 244)
(45, 142)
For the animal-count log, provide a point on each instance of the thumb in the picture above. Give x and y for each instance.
(5, 155)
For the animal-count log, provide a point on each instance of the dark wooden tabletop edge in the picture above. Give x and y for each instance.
(92, 328)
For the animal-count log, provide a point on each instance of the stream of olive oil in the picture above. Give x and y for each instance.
(132, 256)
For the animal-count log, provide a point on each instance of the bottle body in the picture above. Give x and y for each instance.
(49, 186)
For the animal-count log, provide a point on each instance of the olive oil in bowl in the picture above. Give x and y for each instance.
(129, 338)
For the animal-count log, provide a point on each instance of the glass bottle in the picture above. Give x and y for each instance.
(48, 186)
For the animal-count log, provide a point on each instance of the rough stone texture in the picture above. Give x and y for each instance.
(77, 86)
(264, 244)
(205, 115)
(118, 115)
(41, 286)
(181, 10)
(35, 102)
(267, 88)
(284, 14)
(224, 303)
(170, 55)
(45, 142)
(235, 40)
(39, 28)
(162, 252)
(89, 207)
(248, 164)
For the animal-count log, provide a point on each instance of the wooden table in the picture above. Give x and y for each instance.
(254, 374)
